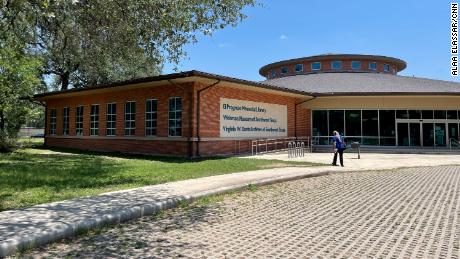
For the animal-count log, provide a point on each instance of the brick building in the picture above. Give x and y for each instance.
(200, 114)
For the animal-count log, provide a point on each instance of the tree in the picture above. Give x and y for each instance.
(18, 80)
(85, 42)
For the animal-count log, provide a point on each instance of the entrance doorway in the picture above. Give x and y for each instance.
(425, 134)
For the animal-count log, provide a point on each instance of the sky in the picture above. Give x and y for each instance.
(417, 32)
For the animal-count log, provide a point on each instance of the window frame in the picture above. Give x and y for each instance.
(65, 121)
(370, 65)
(153, 118)
(111, 120)
(78, 123)
(313, 63)
(131, 129)
(300, 70)
(356, 62)
(284, 70)
(175, 116)
(94, 131)
(386, 67)
(53, 121)
(340, 62)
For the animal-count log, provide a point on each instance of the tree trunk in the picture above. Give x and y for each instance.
(65, 80)
(2, 120)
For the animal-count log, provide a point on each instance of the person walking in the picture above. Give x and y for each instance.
(339, 146)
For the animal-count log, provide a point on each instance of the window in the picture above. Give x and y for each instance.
(355, 64)
(298, 68)
(151, 108)
(387, 128)
(336, 64)
(415, 114)
(111, 119)
(175, 116)
(94, 120)
(273, 74)
(336, 121)
(386, 67)
(65, 121)
(353, 122)
(440, 115)
(130, 118)
(53, 120)
(370, 121)
(284, 70)
(316, 66)
(452, 115)
(402, 114)
(373, 65)
(427, 114)
(79, 121)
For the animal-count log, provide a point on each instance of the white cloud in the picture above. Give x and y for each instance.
(283, 37)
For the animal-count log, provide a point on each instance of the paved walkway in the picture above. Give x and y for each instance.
(371, 161)
(408, 213)
(42, 224)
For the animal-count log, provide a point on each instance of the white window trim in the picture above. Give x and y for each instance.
(53, 130)
(76, 122)
(315, 69)
(124, 120)
(91, 119)
(360, 65)
(174, 97)
(64, 118)
(156, 118)
(332, 64)
(107, 120)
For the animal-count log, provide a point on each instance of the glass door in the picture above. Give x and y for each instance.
(453, 130)
(428, 134)
(440, 134)
(403, 134)
(414, 133)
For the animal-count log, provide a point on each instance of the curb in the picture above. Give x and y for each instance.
(67, 230)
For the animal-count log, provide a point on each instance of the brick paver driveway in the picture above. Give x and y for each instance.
(402, 213)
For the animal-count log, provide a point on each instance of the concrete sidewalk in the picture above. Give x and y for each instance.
(42, 224)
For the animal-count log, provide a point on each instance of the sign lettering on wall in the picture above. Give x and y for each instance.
(246, 119)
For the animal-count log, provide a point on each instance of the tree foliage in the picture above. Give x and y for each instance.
(18, 80)
(85, 42)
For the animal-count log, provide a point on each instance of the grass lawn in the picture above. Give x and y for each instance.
(33, 174)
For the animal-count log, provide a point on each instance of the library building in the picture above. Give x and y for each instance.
(197, 114)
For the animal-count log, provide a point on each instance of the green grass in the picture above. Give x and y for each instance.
(35, 175)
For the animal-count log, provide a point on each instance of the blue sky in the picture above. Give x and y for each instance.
(415, 31)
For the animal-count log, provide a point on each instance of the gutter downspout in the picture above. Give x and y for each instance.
(295, 113)
(190, 121)
(198, 99)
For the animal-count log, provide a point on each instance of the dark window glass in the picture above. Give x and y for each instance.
(415, 114)
(427, 114)
(175, 116)
(403, 134)
(372, 65)
(65, 121)
(353, 123)
(53, 119)
(79, 121)
(452, 115)
(130, 118)
(336, 64)
(387, 123)
(111, 119)
(440, 115)
(284, 70)
(402, 114)
(336, 121)
(298, 68)
(94, 120)
(273, 74)
(453, 131)
(316, 66)
(356, 64)
(151, 107)
(370, 123)
(320, 123)
(386, 67)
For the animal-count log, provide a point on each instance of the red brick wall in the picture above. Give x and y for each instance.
(211, 144)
